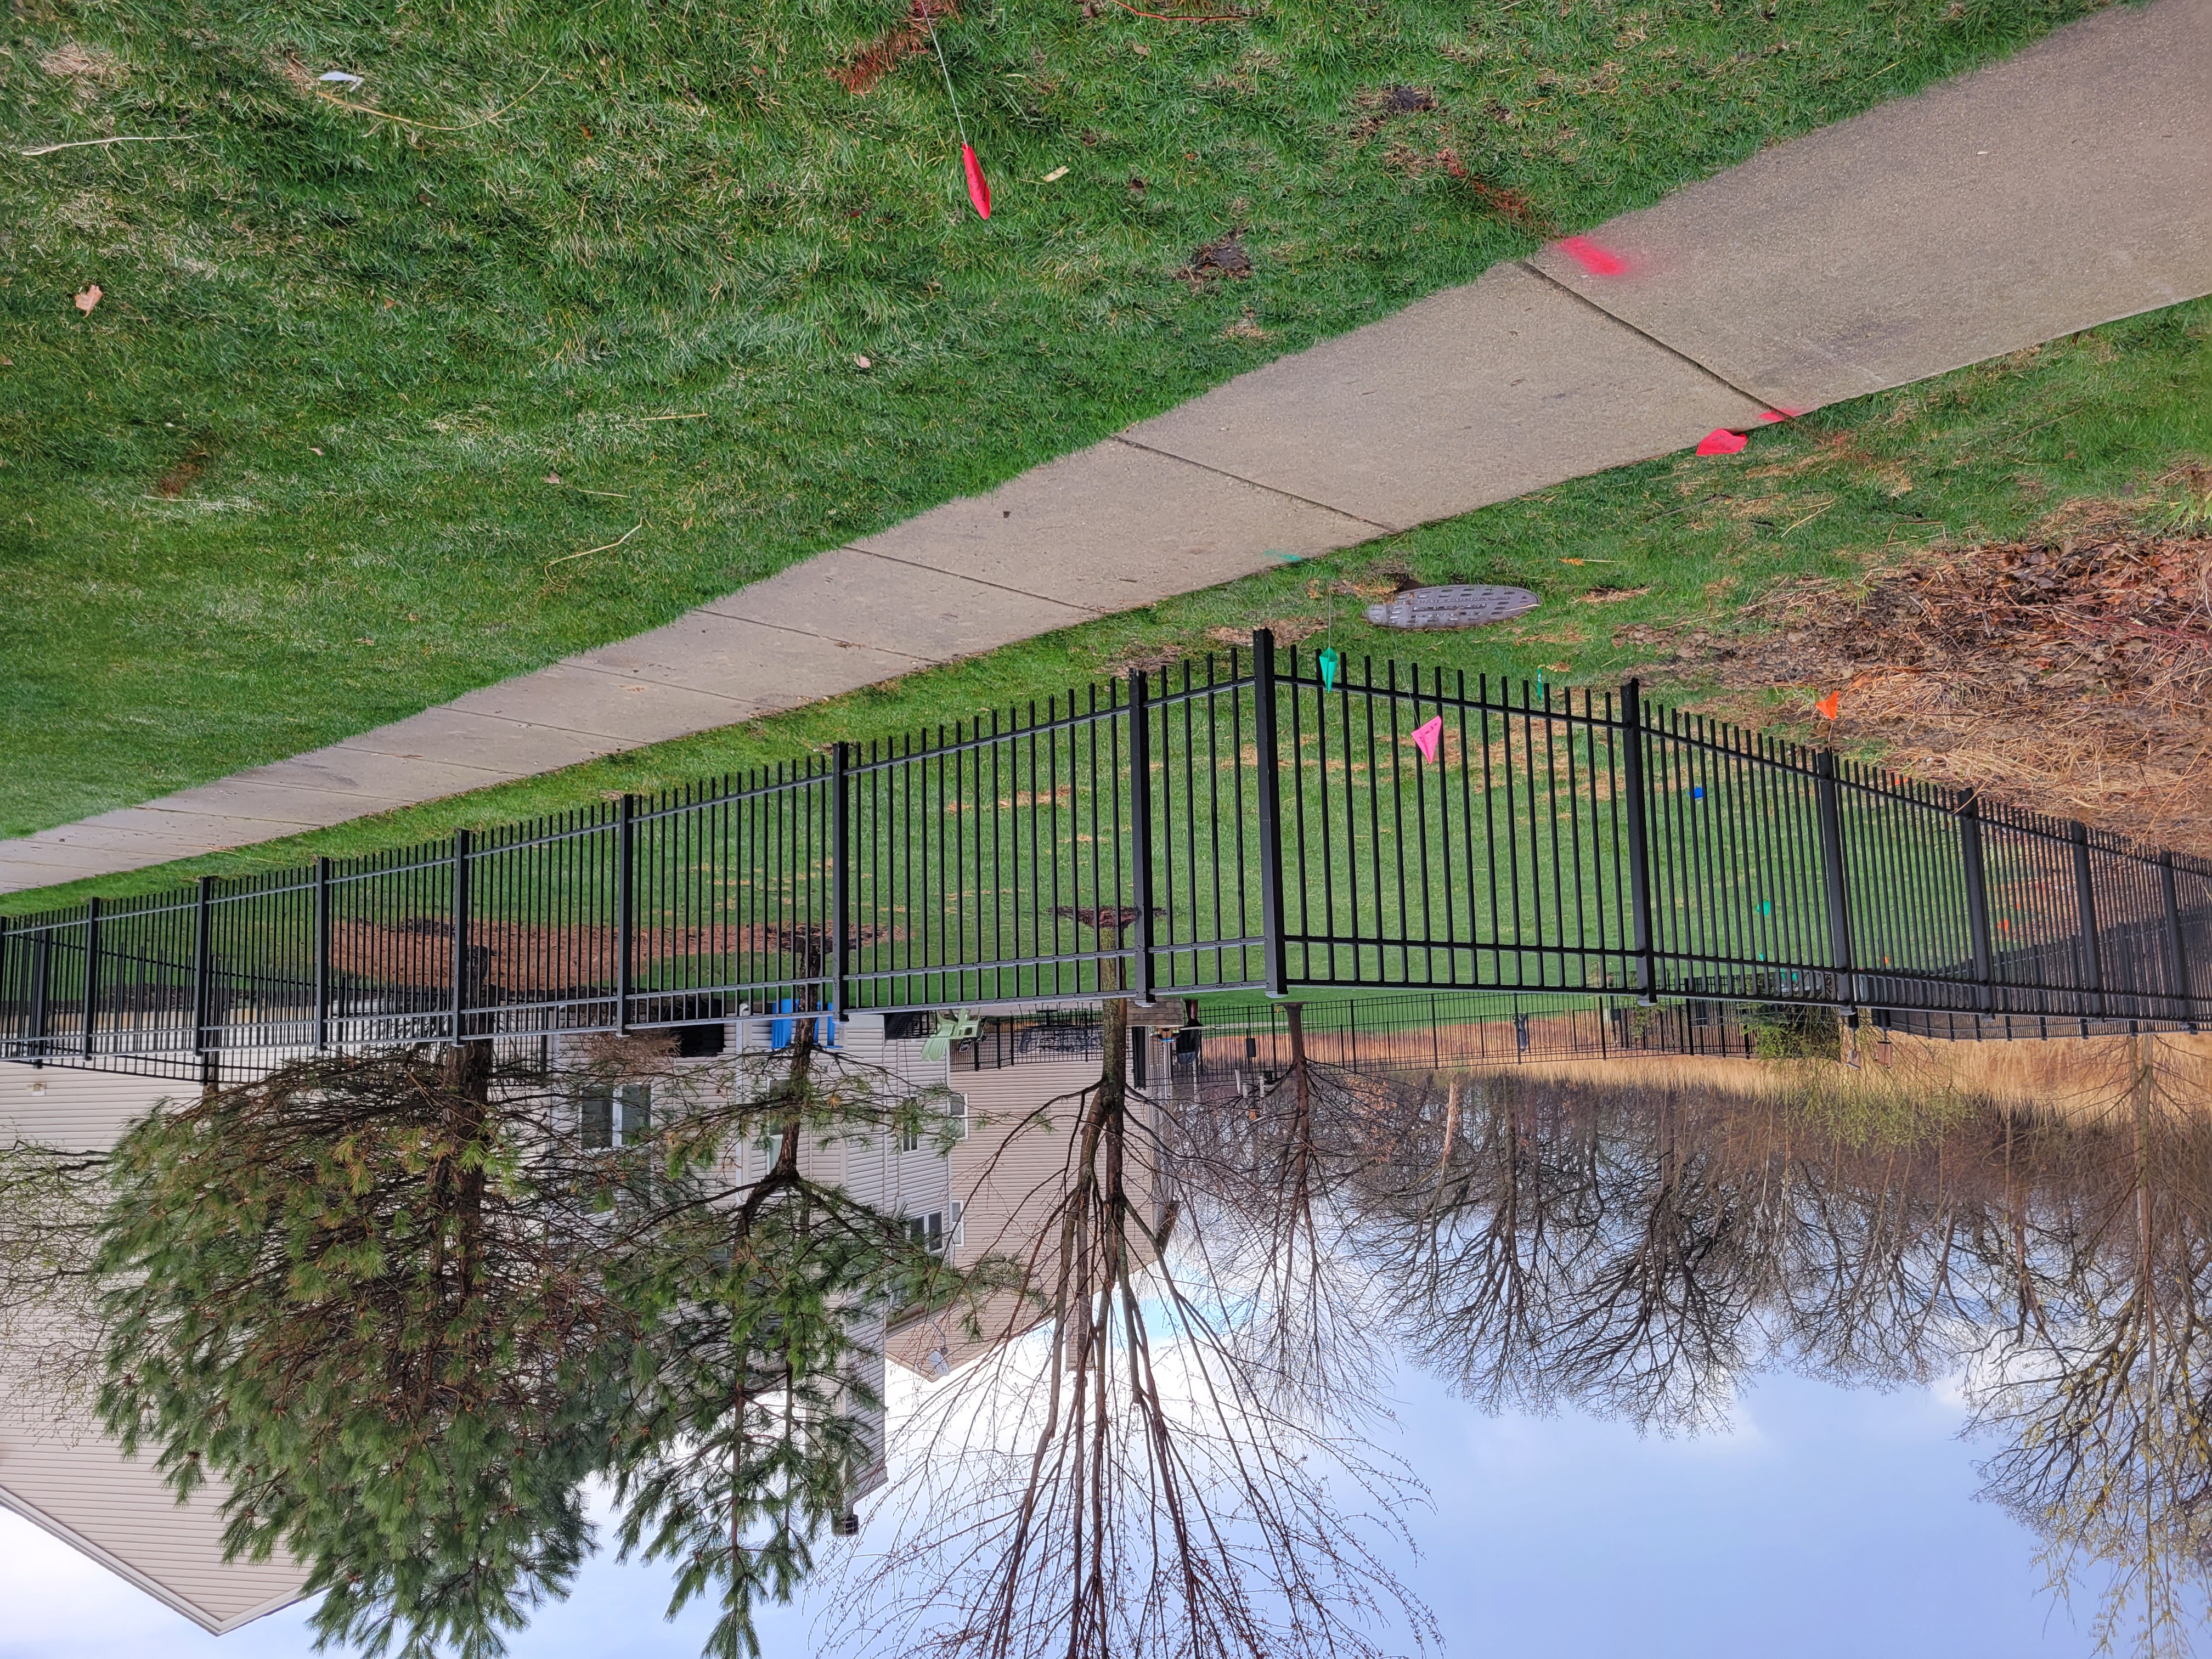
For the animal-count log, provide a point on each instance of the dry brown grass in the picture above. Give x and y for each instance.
(89, 66)
(2068, 1077)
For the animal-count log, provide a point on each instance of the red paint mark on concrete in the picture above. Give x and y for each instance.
(1597, 260)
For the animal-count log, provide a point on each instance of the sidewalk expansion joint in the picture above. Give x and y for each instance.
(961, 575)
(827, 639)
(1645, 334)
(1254, 483)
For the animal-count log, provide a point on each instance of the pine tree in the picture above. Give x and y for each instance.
(357, 1290)
(401, 1308)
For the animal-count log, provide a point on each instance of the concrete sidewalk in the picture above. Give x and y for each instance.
(2064, 188)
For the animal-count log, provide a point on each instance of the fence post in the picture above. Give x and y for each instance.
(2175, 954)
(841, 895)
(1140, 831)
(91, 971)
(322, 953)
(1639, 843)
(42, 981)
(1978, 900)
(1271, 812)
(1825, 795)
(203, 960)
(461, 839)
(2085, 901)
(625, 907)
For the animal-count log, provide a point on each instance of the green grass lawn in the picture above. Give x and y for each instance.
(291, 477)
(1984, 452)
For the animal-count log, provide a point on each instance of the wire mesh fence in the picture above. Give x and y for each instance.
(1251, 823)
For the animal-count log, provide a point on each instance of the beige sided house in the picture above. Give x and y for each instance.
(57, 1468)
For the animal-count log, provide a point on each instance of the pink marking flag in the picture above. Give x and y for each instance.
(1770, 414)
(1427, 735)
(979, 188)
(1721, 441)
(1598, 261)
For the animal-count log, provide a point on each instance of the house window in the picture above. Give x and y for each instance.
(701, 1042)
(957, 1109)
(911, 1138)
(615, 1116)
(927, 1230)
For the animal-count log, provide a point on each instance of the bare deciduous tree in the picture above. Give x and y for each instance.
(1124, 1479)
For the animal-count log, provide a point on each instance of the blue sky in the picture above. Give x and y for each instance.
(1823, 1522)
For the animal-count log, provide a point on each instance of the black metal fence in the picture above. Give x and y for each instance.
(1247, 823)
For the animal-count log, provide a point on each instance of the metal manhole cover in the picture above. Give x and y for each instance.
(1453, 607)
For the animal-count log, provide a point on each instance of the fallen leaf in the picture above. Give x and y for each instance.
(550, 478)
(88, 299)
(1057, 173)
(316, 451)
(862, 362)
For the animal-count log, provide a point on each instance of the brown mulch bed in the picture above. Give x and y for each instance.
(2070, 673)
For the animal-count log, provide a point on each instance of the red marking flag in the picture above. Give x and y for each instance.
(1827, 706)
(1721, 441)
(979, 188)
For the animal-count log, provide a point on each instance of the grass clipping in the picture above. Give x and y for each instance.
(2068, 672)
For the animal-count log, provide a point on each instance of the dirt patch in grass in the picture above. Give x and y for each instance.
(894, 45)
(186, 471)
(2069, 671)
(1378, 106)
(1225, 256)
